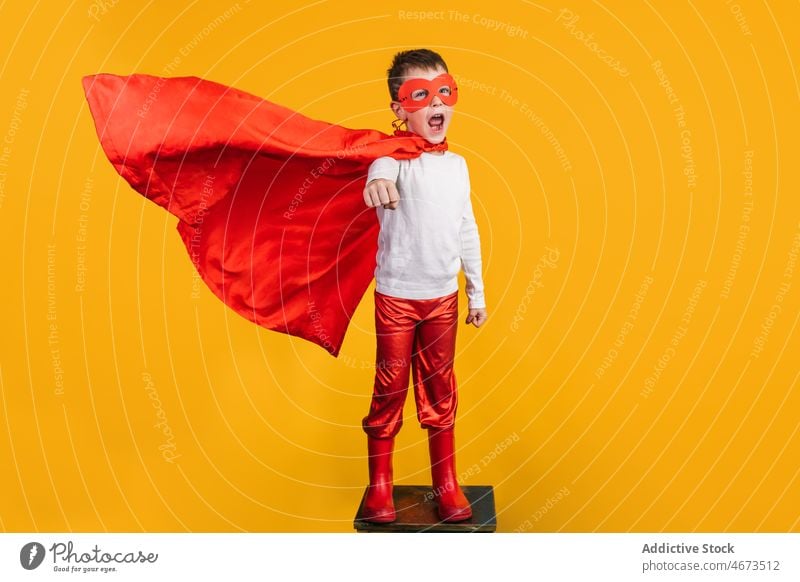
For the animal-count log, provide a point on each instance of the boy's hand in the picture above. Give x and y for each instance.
(381, 191)
(477, 316)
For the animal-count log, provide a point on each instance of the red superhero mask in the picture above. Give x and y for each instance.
(417, 93)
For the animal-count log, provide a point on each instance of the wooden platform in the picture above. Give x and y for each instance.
(416, 511)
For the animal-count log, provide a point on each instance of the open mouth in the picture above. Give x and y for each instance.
(436, 121)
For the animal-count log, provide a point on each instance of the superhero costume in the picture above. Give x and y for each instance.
(270, 210)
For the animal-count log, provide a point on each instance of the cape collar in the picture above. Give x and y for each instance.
(425, 144)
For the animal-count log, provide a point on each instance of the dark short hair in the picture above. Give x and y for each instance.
(405, 60)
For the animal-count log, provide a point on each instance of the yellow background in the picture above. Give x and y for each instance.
(635, 182)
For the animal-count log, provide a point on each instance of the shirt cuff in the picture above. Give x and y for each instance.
(476, 303)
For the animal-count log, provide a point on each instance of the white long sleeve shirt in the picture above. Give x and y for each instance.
(432, 234)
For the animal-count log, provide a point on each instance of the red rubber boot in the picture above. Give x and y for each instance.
(452, 504)
(379, 505)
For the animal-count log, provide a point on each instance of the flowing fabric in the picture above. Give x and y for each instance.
(269, 201)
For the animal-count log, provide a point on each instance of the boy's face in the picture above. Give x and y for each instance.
(430, 122)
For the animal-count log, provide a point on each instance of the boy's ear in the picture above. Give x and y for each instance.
(398, 110)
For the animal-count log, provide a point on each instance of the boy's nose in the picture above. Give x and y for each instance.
(436, 100)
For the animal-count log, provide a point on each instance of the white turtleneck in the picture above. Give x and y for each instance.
(432, 234)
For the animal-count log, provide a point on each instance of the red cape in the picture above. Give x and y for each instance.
(270, 201)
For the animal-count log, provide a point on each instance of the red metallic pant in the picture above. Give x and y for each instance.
(418, 334)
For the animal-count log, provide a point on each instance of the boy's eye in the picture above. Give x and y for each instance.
(419, 94)
(445, 90)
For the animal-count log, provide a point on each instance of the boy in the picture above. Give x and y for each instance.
(427, 232)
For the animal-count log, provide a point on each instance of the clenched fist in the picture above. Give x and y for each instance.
(477, 316)
(381, 191)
